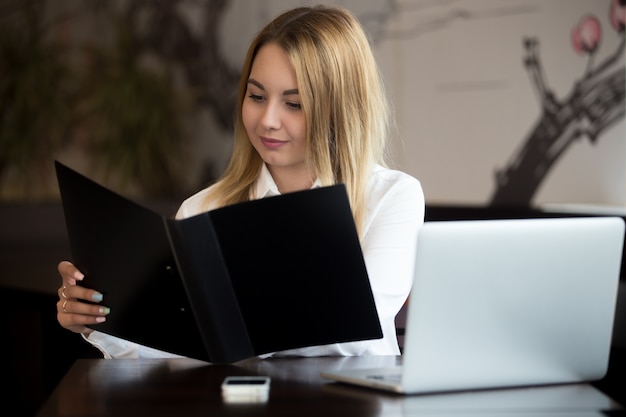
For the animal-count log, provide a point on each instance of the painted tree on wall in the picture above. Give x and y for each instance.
(595, 103)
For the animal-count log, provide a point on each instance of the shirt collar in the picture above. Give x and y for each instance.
(266, 187)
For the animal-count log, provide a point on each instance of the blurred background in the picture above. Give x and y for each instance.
(514, 102)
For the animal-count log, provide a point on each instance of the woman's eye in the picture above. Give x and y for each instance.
(255, 97)
(294, 106)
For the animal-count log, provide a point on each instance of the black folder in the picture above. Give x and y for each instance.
(257, 277)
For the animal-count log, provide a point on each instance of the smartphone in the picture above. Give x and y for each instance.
(246, 388)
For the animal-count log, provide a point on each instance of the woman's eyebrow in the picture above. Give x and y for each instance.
(290, 92)
(256, 83)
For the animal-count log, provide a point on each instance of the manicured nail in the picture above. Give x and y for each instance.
(97, 297)
(105, 310)
(78, 275)
(101, 319)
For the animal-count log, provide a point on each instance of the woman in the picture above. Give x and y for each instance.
(311, 112)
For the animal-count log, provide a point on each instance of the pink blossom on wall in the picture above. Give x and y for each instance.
(586, 35)
(617, 15)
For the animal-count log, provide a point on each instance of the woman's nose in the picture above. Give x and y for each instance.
(271, 117)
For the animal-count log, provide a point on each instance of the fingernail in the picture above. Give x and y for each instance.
(105, 310)
(97, 297)
(78, 275)
(101, 319)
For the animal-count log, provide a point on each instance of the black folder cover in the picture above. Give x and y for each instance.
(257, 277)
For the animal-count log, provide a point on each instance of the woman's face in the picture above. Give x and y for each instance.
(271, 111)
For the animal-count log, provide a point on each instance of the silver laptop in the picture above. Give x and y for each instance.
(506, 303)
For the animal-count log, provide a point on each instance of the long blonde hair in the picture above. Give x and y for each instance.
(343, 100)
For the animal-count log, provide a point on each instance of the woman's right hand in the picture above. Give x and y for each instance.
(73, 313)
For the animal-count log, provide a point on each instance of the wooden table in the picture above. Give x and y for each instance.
(186, 387)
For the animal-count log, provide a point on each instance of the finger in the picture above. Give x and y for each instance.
(68, 291)
(77, 322)
(69, 272)
(78, 308)
(63, 292)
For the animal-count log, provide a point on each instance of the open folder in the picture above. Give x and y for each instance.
(257, 277)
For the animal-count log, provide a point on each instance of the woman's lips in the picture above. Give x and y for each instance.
(272, 143)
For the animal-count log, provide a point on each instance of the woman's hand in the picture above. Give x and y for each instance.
(72, 313)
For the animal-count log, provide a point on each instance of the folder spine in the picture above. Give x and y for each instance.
(209, 289)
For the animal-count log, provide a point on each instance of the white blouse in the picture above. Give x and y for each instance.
(395, 213)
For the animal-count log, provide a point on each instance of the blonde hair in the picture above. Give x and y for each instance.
(343, 100)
